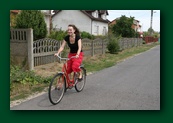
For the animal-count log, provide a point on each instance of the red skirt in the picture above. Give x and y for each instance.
(74, 63)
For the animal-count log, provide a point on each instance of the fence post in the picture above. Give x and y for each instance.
(137, 41)
(30, 49)
(103, 47)
(92, 47)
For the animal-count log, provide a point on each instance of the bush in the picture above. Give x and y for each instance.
(113, 45)
(57, 35)
(87, 35)
(143, 42)
(32, 19)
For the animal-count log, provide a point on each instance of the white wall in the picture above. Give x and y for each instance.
(76, 17)
(101, 26)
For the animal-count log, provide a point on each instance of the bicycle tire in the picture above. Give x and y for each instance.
(56, 93)
(79, 86)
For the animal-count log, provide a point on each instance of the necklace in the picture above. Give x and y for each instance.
(72, 36)
(72, 39)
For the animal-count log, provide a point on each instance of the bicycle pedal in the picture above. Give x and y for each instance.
(70, 87)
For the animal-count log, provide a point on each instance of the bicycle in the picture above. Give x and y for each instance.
(56, 93)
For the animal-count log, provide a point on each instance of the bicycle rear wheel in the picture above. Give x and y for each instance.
(80, 85)
(57, 88)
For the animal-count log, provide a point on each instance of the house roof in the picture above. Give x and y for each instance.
(88, 13)
(103, 11)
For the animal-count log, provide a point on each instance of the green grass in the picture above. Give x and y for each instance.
(99, 62)
(23, 91)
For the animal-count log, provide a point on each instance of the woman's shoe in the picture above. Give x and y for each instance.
(80, 77)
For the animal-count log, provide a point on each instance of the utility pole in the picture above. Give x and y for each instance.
(151, 23)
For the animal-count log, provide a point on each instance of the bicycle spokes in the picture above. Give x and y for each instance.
(80, 83)
(56, 89)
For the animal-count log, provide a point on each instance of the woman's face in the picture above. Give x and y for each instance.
(70, 30)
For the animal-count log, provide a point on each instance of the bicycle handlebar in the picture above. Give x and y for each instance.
(65, 58)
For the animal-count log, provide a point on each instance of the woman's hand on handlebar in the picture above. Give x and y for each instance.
(56, 54)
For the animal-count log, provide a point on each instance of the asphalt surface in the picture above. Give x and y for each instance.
(133, 84)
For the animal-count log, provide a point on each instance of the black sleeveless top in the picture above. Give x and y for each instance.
(73, 47)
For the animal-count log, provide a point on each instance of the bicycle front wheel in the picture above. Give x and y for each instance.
(80, 85)
(57, 88)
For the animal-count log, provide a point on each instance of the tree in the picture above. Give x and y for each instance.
(150, 30)
(32, 19)
(146, 33)
(123, 27)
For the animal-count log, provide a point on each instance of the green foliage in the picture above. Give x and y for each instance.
(20, 76)
(150, 31)
(87, 35)
(156, 34)
(113, 44)
(123, 27)
(146, 33)
(32, 19)
(100, 36)
(57, 35)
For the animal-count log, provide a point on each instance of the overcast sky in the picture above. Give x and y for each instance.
(144, 16)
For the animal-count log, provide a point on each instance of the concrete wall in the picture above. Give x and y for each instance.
(21, 47)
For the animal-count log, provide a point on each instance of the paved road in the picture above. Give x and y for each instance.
(130, 85)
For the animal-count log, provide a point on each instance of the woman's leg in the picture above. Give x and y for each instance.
(69, 64)
(76, 64)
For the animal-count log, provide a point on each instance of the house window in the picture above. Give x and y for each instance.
(104, 31)
(97, 30)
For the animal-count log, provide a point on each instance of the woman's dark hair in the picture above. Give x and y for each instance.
(77, 32)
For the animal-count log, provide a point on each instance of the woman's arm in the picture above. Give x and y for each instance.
(79, 47)
(61, 48)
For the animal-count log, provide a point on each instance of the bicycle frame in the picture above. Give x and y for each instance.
(70, 83)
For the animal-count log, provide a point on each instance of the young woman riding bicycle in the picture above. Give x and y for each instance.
(73, 40)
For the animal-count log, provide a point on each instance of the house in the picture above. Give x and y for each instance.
(136, 26)
(92, 21)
